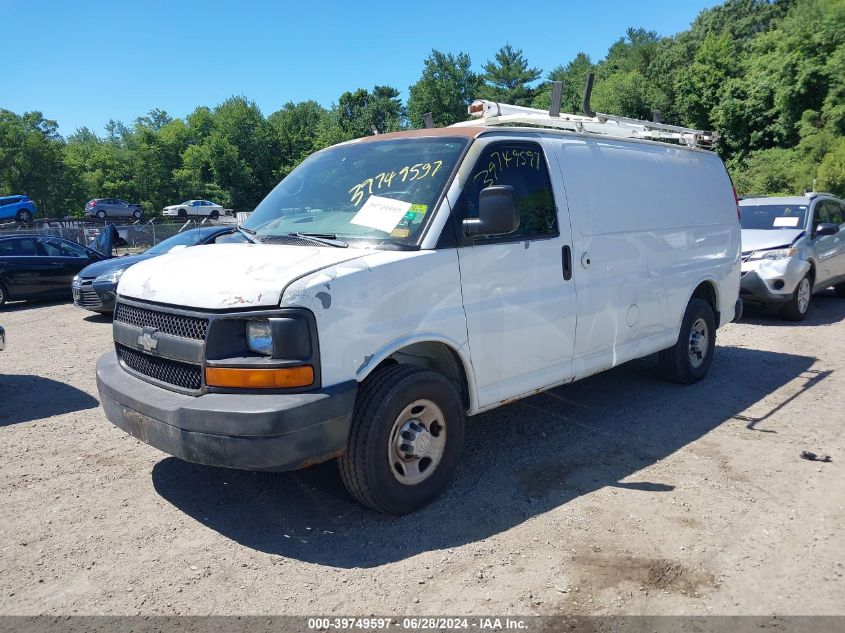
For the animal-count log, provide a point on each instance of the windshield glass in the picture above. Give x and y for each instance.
(376, 190)
(772, 216)
(188, 238)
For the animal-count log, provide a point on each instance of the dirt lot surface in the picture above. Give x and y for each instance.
(617, 494)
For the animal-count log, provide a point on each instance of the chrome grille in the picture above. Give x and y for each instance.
(166, 322)
(184, 375)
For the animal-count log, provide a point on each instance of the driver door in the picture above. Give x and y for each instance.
(518, 299)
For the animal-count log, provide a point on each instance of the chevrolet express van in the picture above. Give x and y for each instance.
(398, 284)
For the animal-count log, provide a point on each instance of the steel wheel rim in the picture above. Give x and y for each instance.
(698, 342)
(417, 442)
(803, 295)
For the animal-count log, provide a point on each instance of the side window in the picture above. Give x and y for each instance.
(56, 248)
(522, 165)
(837, 213)
(18, 247)
(820, 213)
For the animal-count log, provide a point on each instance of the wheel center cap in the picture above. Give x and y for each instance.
(413, 441)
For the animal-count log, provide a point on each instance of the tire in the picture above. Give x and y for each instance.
(677, 363)
(799, 305)
(101, 214)
(394, 403)
(839, 289)
(23, 215)
(214, 214)
(137, 214)
(182, 213)
(4, 295)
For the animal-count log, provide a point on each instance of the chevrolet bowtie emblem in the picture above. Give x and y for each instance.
(147, 339)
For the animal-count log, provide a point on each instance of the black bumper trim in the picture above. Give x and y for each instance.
(754, 290)
(245, 431)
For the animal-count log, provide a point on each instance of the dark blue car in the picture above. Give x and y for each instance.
(95, 286)
(18, 208)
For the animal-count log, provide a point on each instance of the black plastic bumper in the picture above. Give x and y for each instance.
(98, 297)
(245, 431)
(755, 290)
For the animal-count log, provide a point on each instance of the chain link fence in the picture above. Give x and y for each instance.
(135, 237)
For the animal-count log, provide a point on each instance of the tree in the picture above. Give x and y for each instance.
(507, 76)
(297, 127)
(360, 113)
(573, 76)
(447, 86)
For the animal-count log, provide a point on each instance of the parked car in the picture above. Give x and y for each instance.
(400, 282)
(195, 208)
(36, 267)
(112, 208)
(19, 208)
(791, 248)
(94, 287)
(2, 338)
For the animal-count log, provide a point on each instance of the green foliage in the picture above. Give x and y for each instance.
(507, 76)
(767, 75)
(445, 89)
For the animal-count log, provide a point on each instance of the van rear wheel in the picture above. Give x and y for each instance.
(688, 360)
(406, 439)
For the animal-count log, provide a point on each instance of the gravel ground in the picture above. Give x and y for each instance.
(617, 494)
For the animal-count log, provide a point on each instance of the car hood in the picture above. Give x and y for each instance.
(760, 239)
(111, 265)
(224, 276)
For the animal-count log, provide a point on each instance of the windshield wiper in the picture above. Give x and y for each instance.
(249, 233)
(329, 239)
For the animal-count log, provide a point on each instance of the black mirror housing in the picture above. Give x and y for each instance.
(826, 228)
(497, 212)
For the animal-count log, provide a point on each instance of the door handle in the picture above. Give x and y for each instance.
(567, 263)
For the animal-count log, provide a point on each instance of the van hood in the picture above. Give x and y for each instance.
(227, 276)
(761, 239)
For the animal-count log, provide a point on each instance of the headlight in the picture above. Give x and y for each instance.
(259, 337)
(110, 277)
(778, 253)
(75, 280)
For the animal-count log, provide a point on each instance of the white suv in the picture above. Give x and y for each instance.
(401, 282)
(791, 248)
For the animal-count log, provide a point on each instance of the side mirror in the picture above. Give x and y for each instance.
(826, 228)
(497, 212)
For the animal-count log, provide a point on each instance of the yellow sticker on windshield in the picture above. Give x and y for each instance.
(400, 233)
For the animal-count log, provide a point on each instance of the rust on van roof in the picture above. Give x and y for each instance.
(467, 132)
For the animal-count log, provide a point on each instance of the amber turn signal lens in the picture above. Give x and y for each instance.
(240, 377)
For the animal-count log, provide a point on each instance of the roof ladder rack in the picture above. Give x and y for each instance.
(493, 113)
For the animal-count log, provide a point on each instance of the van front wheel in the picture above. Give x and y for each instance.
(406, 439)
(689, 359)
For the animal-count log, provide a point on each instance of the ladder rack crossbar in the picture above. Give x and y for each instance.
(493, 113)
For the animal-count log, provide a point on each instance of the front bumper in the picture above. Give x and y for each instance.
(94, 296)
(244, 431)
(771, 281)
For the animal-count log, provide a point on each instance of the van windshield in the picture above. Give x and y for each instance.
(379, 191)
(772, 216)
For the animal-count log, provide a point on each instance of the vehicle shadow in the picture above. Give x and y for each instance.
(21, 306)
(24, 398)
(96, 317)
(825, 309)
(519, 461)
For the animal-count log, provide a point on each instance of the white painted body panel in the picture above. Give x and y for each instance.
(653, 221)
(370, 307)
(227, 275)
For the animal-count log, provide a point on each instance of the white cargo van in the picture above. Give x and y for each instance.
(400, 283)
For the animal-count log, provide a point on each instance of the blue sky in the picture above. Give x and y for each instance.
(82, 62)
